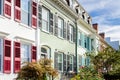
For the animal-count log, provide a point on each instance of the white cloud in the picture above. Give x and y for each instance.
(110, 11)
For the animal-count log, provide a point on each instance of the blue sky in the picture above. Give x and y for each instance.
(107, 14)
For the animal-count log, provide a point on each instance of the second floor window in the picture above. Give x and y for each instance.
(71, 33)
(60, 27)
(25, 4)
(45, 19)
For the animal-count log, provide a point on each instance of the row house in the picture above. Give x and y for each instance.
(60, 30)
(18, 28)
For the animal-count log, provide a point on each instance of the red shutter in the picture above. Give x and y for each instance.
(33, 53)
(7, 8)
(17, 10)
(34, 14)
(7, 56)
(16, 57)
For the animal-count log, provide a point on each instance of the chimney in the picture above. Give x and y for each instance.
(95, 26)
(102, 35)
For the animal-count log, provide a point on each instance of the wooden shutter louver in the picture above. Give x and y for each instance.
(7, 57)
(51, 22)
(56, 25)
(34, 54)
(55, 60)
(17, 59)
(68, 31)
(64, 63)
(74, 34)
(34, 14)
(17, 10)
(65, 31)
(74, 64)
(40, 15)
(7, 8)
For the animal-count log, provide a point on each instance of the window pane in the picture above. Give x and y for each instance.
(25, 53)
(71, 33)
(60, 61)
(60, 27)
(45, 19)
(25, 4)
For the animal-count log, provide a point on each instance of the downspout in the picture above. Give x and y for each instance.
(76, 45)
(38, 36)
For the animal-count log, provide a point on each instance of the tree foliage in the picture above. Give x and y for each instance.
(37, 70)
(102, 63)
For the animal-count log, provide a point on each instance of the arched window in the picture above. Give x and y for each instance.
(45, 52)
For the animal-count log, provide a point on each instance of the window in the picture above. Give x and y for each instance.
(25, 5)
(79, 37)
(71, 62)
(71, 3)
(1, 54)
(45, 19)
(71, 33)
(85, 41)
(80, 61)
(60, 27)
(60, 61)
(68, 2)
(44, 52)
(25, 53)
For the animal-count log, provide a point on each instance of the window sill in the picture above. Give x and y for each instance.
(45, 31)
(1, 16)
(60, 37)
(26, 26)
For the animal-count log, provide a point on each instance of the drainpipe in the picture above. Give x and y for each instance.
(37, 36)
(76, 45)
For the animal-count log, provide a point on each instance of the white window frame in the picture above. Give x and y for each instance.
(60, 27)
(60, 54)
(1, 53)
(23, 55)
(46, 21)
(71, 33)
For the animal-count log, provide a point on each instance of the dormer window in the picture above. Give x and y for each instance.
(83, 15)
(76, 9)
(88, 20)
(68, 2)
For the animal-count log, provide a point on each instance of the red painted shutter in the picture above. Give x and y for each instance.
(34, 14)
(16, 57)
(7, 56)
(34, 53)
(7, 8)
(17, 10)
